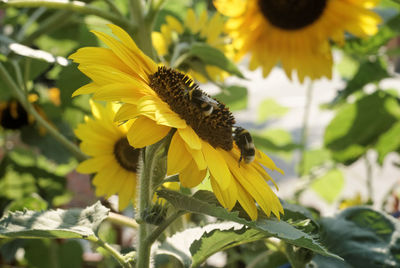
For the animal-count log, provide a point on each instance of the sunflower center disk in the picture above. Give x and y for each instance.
(292, 14)
(173, 88)
(126, 155)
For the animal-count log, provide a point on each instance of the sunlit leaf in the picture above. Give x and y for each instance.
(213, 56)
(235, 97)
(72, 223)
(363, 237)
(269, 227)
(270, 108)
(359, 125)
(194, 245)
(388, 142)
(330, 185)
(313, 159)
(33, 202)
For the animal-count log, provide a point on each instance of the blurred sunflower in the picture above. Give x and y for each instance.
(295, 33)
(175, 39)
(111, 157)
(155, 102)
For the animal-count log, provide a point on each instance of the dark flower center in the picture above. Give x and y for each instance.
(173, 88)
(13, 115)
(292, 14)
(126, 155)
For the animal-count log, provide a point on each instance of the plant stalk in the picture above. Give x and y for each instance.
(122, 220)
(31, 110)
(120, 258)
(304, 129)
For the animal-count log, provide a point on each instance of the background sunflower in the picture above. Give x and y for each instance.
(296, 34)
(111, 157)
(175, 39)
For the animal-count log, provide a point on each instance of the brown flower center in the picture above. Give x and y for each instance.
(173, 87)
(292, 14)
(126, 155)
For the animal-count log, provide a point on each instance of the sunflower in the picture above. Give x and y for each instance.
(295, 33)
(175, 39)
(111, 157)
(155, 101)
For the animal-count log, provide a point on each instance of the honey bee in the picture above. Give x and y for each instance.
(245, 143)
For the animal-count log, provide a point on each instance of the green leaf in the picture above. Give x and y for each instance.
(330, 185)
(213, 56)
(313, 159)
(235, 97)
(67, 254)
(275, 140)
(270, 108)
(372, 45)
(269, 227)
(368, 72)
(363, 237)
(219, 240)
(359, 125)
(388, 142)
(33, 202)
(194, 245)
(72, 223)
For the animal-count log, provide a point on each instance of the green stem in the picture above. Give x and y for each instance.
(160, 229)
(121, 220)
(144, 25)
(35, 15)
(369, 180)
(297, 257)
(76, 6)
(111, 4)
(304, 129)
(120, 258)
(30, 109)
(54, 21)
(143, 249)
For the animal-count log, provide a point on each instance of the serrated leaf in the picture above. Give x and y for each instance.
(270, 108)
(213, 56)
(269, 227)
(219, 240)
(192, 246)
(330, 185)
(359, 125)
(72, 223)
(388, 142)
(363, 237)
(235, 97)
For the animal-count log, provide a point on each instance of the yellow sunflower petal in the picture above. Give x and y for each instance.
(174, 24)
(247, 202)
(93, 165)
(190, 137)
(138, 135)
(127, 192)
(86, 89)
(227, 197)
(191, 176)
(159, 43)
(178, 158)
(217, 166)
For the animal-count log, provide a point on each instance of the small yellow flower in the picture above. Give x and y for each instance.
(111, 157)
(295, 33)
(174, 35)
(155, 103)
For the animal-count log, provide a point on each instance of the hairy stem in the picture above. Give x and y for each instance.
(19, 94)
(120, 258)
(160, 229)
(122, 220)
